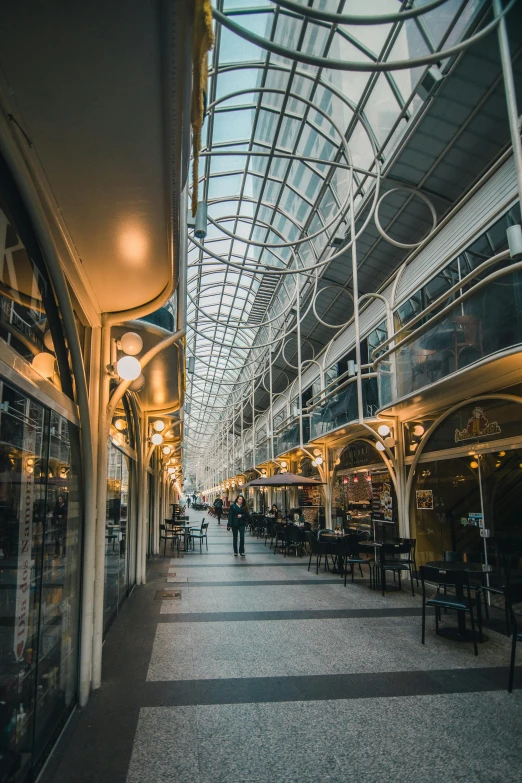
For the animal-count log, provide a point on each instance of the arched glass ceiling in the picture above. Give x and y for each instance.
(285, 146)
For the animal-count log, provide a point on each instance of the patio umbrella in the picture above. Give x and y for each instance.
(283, 480)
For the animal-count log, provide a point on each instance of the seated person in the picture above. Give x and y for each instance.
(274, 512)
(296, 516)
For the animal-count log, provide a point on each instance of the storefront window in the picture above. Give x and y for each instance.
(466, 493)
(40, 527)
(364, 497)
(120, 551)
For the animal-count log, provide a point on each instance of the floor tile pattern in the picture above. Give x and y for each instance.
(265, 671)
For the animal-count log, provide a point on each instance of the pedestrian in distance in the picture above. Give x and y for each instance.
(218, 505)
(238, 517)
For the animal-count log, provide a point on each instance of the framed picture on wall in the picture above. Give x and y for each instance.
(424, 499)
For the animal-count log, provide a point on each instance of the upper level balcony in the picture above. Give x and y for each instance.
(288, 436)
(337, 405)
(477, 321)
(262, 452)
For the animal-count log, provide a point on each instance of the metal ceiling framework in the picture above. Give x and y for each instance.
(306, 104)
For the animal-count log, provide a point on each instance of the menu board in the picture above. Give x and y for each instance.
(383, 499)
(310, 495)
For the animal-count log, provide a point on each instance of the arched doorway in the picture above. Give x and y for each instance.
(466, 484)
(364, 496)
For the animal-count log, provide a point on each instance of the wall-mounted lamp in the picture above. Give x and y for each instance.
(156, 439)
(43, 363)
(380, 446)
(383, 430)
(128, 368)
(166, 450)
(130, 343)
(120, 424)
(159, 425)
(138, 384)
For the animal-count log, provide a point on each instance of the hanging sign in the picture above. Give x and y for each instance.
(478, 426)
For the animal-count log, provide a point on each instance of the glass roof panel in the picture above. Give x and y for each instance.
(288, 189)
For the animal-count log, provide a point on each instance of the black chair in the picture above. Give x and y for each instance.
(390, 560)
(294, 540)
(348, 548)
(513, 595)
(459, 580)
(317, 548)
(200, 534)
(279, 535)
(167, 534)
(270, 531)
(413, 548)
(477, 585)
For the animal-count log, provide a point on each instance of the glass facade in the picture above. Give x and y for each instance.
(450, 338)
(469, 477)
(120, 535)
(40, 539)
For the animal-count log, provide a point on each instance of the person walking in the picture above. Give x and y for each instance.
(218, 505)
(189, 501)
(238, 517)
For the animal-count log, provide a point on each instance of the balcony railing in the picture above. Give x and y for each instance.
(482, 318)
(288, 436)
(340, 405)
(262, 452)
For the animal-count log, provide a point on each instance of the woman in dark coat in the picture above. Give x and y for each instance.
(238, 517)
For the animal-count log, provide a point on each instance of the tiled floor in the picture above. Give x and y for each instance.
(263, 671)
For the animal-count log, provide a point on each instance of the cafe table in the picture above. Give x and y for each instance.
(183, 529)
(461, 633)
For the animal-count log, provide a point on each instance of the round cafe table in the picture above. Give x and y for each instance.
(461, 633)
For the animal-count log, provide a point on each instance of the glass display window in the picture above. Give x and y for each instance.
(120, 550)
(40, 531)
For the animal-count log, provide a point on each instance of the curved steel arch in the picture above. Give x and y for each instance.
(347, 65)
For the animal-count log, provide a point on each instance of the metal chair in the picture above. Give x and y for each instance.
(390, 560)
(460, 602)
(200, 534)
(168, 535)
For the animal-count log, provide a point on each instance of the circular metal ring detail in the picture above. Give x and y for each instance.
(314, 300)
(293, 366)
(394, 242)
(343, 144)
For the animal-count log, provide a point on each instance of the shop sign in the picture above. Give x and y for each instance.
(358, 455)
(478, 426)
(23, 571)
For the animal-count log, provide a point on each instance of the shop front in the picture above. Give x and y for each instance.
(466, 481)
(120, 526)
(40, 540)
(310, 498)
(364, 496)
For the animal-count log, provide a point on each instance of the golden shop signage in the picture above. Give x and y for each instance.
(478, 426)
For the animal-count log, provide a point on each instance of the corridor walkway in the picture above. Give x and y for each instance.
(257, 670)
